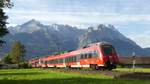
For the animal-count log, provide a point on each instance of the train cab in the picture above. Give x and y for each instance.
(109, 56)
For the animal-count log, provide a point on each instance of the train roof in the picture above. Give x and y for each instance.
(101, 43)
(93, 44)
(98, 43)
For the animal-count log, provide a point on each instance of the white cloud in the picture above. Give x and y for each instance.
(75, 18)
(84, 13)
(143, 39)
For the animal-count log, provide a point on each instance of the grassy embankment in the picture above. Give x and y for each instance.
(133, 70)
(39, 76)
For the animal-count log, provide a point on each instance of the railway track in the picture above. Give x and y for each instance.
(109, 73)
(114, 74)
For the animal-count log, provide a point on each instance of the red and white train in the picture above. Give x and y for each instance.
(97, 56)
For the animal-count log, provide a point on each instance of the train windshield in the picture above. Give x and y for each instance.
(108, 50)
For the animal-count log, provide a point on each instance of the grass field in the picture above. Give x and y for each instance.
(39, 76)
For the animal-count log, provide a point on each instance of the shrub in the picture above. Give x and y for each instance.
(24, 65)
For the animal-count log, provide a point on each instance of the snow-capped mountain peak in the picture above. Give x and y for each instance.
(28, 27)
(57, 37)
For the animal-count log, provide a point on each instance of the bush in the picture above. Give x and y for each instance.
(24, 65)
(120, 65)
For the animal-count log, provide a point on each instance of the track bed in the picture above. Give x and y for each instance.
(114, 74)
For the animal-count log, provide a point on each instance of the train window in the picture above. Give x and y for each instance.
(85, 56)
(107, 50)
(90, 55)
(73, 59)
(54, 61)
(57, 61)
(63, 60)
(95, 53)
(60, 60)
(49, 62)
(69, 59)
(82, 56)
(66, 59)
(45, 62)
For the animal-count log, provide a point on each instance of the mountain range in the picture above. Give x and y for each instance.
(43, 40)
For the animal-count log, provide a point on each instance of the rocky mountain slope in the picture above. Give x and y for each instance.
(124, 46)
(41, 40)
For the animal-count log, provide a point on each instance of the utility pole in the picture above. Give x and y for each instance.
(134, 60)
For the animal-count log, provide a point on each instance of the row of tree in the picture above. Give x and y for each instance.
(17, 53)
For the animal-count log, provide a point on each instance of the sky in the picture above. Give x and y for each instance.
(130, 17)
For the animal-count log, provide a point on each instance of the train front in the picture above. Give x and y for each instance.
(110, 57)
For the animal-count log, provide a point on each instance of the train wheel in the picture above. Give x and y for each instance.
(68, 67)
(110, 68)
(94, 67)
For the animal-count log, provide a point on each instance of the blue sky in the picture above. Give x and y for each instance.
(130, 17)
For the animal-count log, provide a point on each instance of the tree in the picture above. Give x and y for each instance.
(17, 52)
(3, 18)
(7, 59)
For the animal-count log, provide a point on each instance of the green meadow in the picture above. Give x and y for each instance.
(41, 76)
